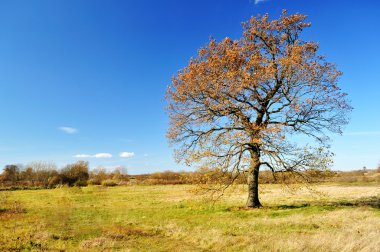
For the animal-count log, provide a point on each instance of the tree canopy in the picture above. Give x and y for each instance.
(241, 104)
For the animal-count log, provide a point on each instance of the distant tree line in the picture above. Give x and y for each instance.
(43, 174)
(207, 176)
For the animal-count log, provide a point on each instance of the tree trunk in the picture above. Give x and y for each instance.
(253, 182)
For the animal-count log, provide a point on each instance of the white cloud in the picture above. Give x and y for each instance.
(82, 156)
(68, 130)
(97, 155)
(146, 155)
(126, 154)
(103, 155)
(259, 1)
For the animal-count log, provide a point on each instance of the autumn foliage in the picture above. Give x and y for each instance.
(239, 105)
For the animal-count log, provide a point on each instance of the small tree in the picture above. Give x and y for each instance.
(98, 175)
(11, 173)
(42, 172)
(76, 173)
(240, 103)
(119, 173)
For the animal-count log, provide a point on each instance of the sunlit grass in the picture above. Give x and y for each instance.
(166, 218)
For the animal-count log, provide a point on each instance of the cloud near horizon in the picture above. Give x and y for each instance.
(260, 1)
(97, 155)
(126, 154)
(68, 130)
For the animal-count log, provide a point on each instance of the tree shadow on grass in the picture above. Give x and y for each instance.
(295, 206)
(373, 202)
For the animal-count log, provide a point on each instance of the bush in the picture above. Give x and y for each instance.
(94, 181)
(54, 181)
(80, 183)
(109, 182)
(74, 173)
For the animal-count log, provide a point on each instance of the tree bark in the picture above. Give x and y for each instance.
(253, 181)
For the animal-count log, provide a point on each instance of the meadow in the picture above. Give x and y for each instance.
(325, 217)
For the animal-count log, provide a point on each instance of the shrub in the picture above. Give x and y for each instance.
(94, 181)
(109, 182)
(75, 172)
(98, 175)
(80, 183)
(11, 173)
(40, 172)
(54, 181)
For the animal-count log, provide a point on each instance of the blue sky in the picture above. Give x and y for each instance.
(88, 77)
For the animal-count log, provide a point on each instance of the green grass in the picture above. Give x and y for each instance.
(166, 218)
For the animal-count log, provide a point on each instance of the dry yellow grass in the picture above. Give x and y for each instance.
(167, 218)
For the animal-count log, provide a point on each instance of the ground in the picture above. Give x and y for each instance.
(330, 217)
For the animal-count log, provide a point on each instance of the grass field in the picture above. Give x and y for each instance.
(171, 218)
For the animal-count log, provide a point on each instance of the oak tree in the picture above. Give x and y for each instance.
(241, 105)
